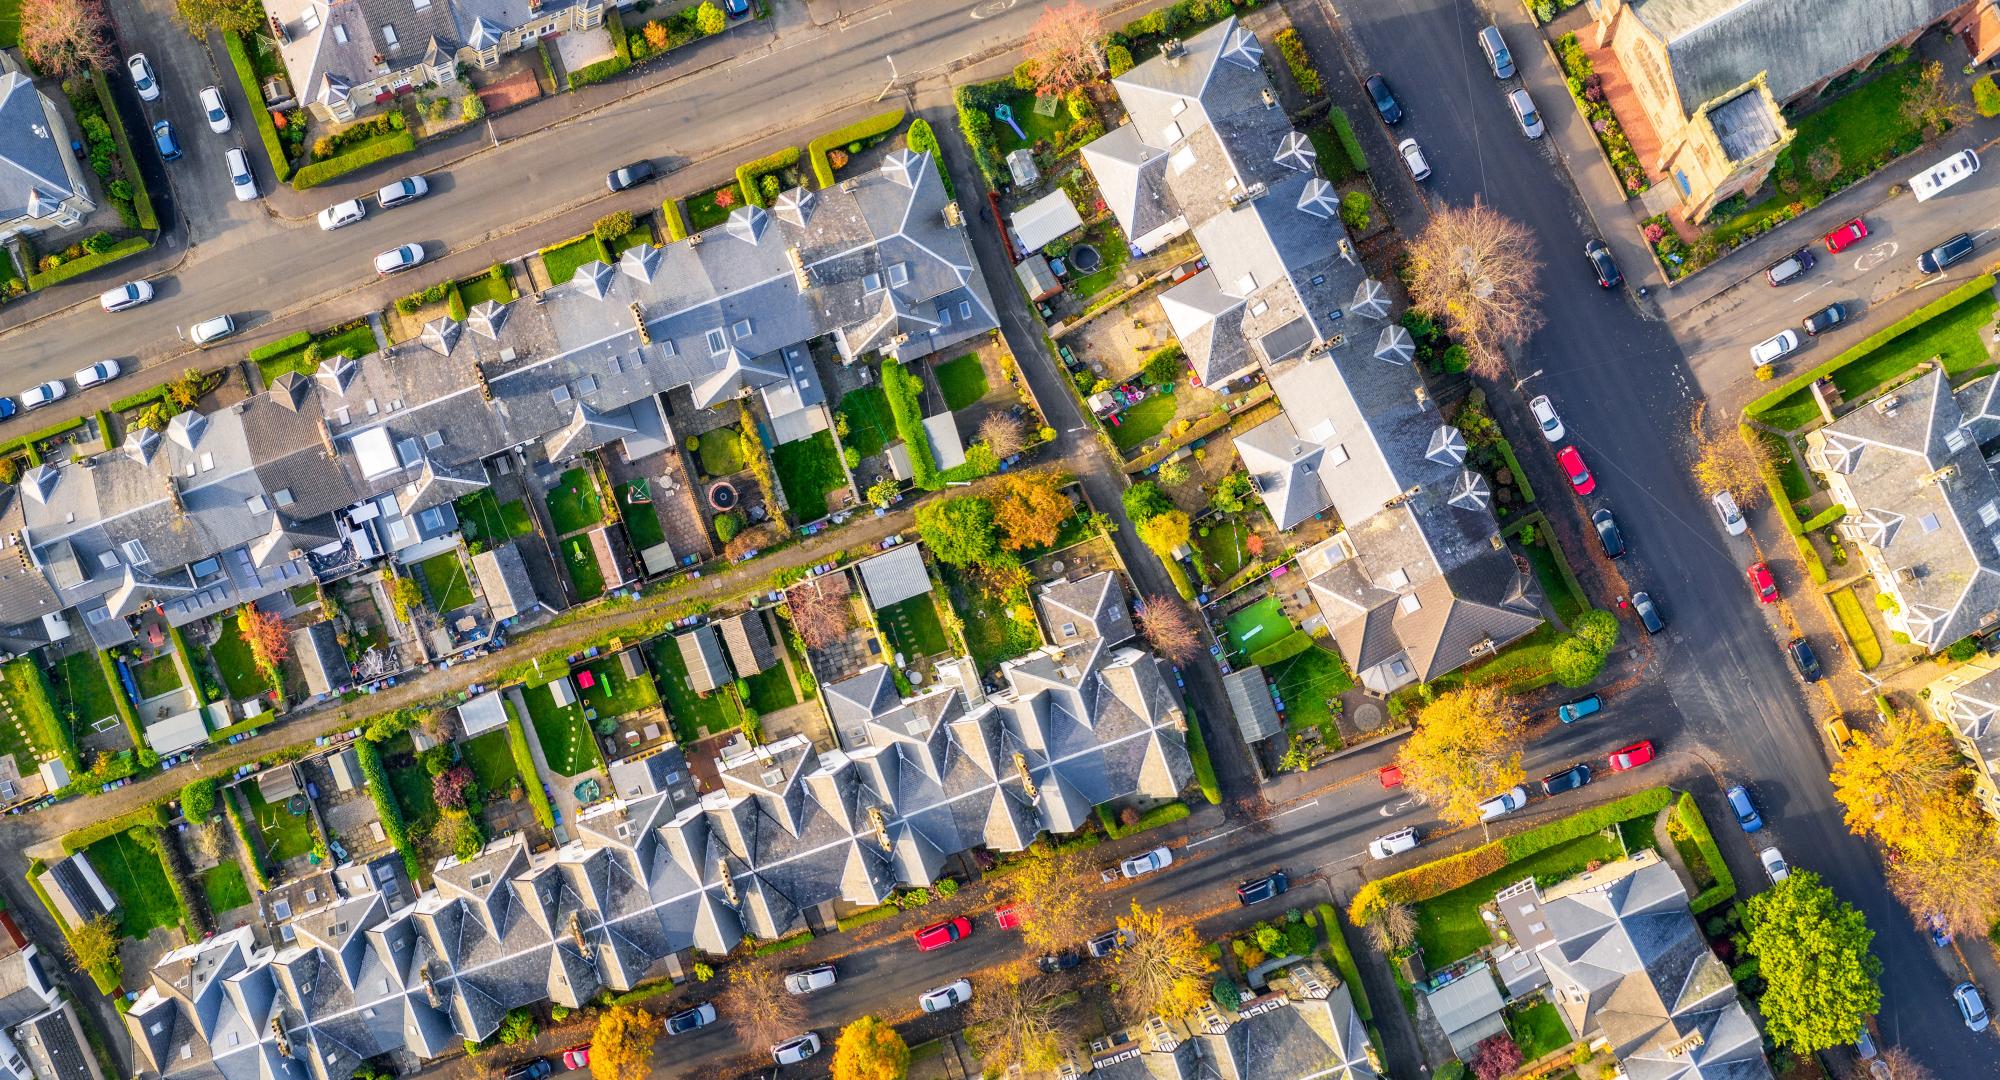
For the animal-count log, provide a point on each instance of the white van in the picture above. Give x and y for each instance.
(1944, 174)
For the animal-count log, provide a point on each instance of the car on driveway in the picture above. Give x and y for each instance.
(626, 177)
(101, 372)
(1258, 890)
(1608, 535)
(531, 1070)
(1971, 1006)
(1838, 240)
(398, 259)
(241, 179)
(793, 1051)
(1826, 318)
(1546, 418)
(1526, 114)
(1803, 658)
(946, 997)
(1569, 779)
(1727, 510)
(1762, 583)
(1574, 468)
(1503, 804)
(940, 934)
(1140, 865)
(1937, 259)
(126, 296)
(142, 77)
(164, 141)
(214, 110)
(1743, 808)
(1774, 348)
(408, 189)
(1395, 843)
(811, 979)
(1571, 712)
(1633, 756)
(46, 394)
(1601, 261)
(1414, 160)
(1108, 942)
(342, 214)
(1774, 865)
(1050, 963)
(1649, 612)
(1385, 101)
(1790, 268)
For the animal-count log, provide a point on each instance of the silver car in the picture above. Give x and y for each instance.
(1413, 159)
(214, 329)
(1775, 348)
(408, 189)
(240, 176)
(142, 77)
(811, 979)
(213, 108)
(793, 1051)
(397, 260)
(126, 296)
(1525, 113)
(1503, 804)
(945, 998)
(342, 214)
(101, 372)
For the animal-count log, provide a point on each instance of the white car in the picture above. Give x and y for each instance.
(240, 176)
(1526, 114)
(45, 394)
(126, 296)
(1771, 350)
(1774, 864)
(408, 189)
(1503, 804)
(342, 214)
(1140, 865)
(142, 77)
(213, 108)
(947, 997)
(214, 329)
(397, 260)
(811, 979)
(1726, 509)
(793, 1051)
(1395, 843)
(1413, 158)
(1545, 416)
(101, 372)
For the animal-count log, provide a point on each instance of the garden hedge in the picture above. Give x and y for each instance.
(923, 140)
(672, 221)
(591, 74)
(748, 173)
(84, 264)
(1689, 816)
(1506, 449)
(975, 102)
(142, 201)
(126, 712)
(792, 941)
(1825, 517)
(860, 130)
(152, 815)
(254, 857)
(1163, 814)
(246, 77)
(319, 172)
(868, 915)
(1300, 62)
(905, 394)
(154, 840)
(524, 760)
(1804, 380)
(283, 345)
(369, 755)
(1204, 768)
(1282, 649)
(39, 709)
(1343, 959)
(1343, 130)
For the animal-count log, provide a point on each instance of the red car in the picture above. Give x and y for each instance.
(1632, 756)
(938, 935)
(576, 1057)
(1010, 916)
(1839, 239)
(1761, 583)
(1579, 476)
(1390, 775)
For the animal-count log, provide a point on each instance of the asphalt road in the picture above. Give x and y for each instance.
(1623, 385)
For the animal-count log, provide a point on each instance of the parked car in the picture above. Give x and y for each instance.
(1574, 468)
(1569, 779)
(1790, 268)
(1599, 255)
(1774, 865)
(946, 997)
(1649, 612)
(531, 1070)
(1258, 890)
(1385, 101)
(940, 934)
(630, 176)
(1774, 348)
(1413, 159)
(1762, 583)
(1633, 756)
(101, 372)
(1608, 535)
(1576, 710)
(1391, 776)
(342, 214)
(811, 979)
(1840, 239)
(1140, 865)
(164, 141)
(1803, 658)
(1546, 418)
(398, 259)
(1050, 963)
(408, 189)
(8, 408)
(213, 108)
(1497, 56)
(210, 330)
(142, 77)
(1826, 318)
(577, 1057)
(47, 393)
(1503, 804)
(1525, 113)
(1971, 1006)
(1395, 843)
(1745, 810)
(240, 177)
(1108, 942)
(1726, 509)
(1938, 258)
(736, 9)
(126, 296)
(793, 1051)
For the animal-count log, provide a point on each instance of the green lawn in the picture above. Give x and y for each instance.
(642, 524)
(412, 786)
(1954, 335)
(1307, 683)
(1110, 243)
(992, 634)
(1142, 421)
(10, 23)
(23, 684)
(1449, 926)
(580, 559)
(1538, 1030)
(445, 578)
(81, 694)
(808, 470)
(1257, 626)
(1567, 602)
(704, 213)
(1223, 547)
(492, 760)
(8, 272)
(870, 427)
(963, 381)
(240, 674)
(722, 452)
(1332, 156)
(641, 233)
(286, 835)
(225, 887)
(573, 502)
(156, 677)
(562, 260)
(477, 290)
(691, 714)
(353, 342)
(770, 689)
(612, 694)
(1797, 488)
(134, 875)
(1034, 126)
(485, 519)
(912, 627)
(566, 740)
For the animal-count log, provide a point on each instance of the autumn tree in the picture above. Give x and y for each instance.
(884, 492)
(819, 613)
(621, 1048)
(1162, 969)
(869, 1049)
(757, 1003)
(93, 945)
(1170, 629)
(1022, 1022)
(1466, 748)
(1062, 48)
(1896, 785)
(63, 37)
(958, 531)
(1903, 1065)
(1473, 269)
(1030, 509)
(1929, 102)
(1002, 433)
(1233, 493)
(264, 632)
(1048, 890)
(1165, 531)
(1496, 1057)
(201, 16)
(1393, 929)
(1812, 951)
(1959, 888)
(1726, 460)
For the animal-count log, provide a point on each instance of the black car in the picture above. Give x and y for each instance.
(1050, 963)
(1649, 612)
(631, 176)
(1258, 890)
(1803, 658)
(1385, 102)
(1826, 318)
(533, 1070)
(1936, 259)
(1569, 779)
(1790, 268)
(1599, 255)
(1608, 534)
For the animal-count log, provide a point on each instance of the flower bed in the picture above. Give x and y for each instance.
(1586, 88)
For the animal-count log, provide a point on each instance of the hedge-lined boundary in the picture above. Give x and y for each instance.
(1774, 485)
(1343, 958)
(246, 78)
(369, 756)
(1506, 449)
(77, 267)
(282, 345)
(1163, 814)
(126, 712)
(1825, 517)
(750, 171)
(1204, 768)
(923, 140)
(254, 857)
(1293, 49)
(592, 74)
(40, 712)
(110, 977)
(905, 394)
(155, 841)
(142, 200)
(1343, 132)
(870, 915)
(793, 941)
(319, 172)
(184, 660)
(672, 221)
(531, 777)
(879, 124)
(153, 815)
(1282, 650)
(1689, 815)
(1804, 380)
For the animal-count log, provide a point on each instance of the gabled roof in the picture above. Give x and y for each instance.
(1091, 609)
(702, 653)
(749, 643)
(34, 176)
(894, 576)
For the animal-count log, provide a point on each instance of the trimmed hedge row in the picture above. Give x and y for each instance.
(1774, 485)
(748, 173)
(905, 394)
(1293, 48)
(283, 345)
(153, 815)
(524, 760)
(142, 201)
(879, 124)
(871, 915)
(1163, 814)
(592, 74)
(1343, 131)
(369, 755)
(803, 937)
(246, 78)
(1506, 449)
(126, 712)
(1689, 815)
(126, 248)
(1825, 517)
(672, 221)
(1343, 959)
(1204, 767)
(254, 857)
(923, 140)
(155, 841)
(319, 172)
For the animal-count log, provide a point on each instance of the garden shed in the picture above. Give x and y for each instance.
(1250, 699)
(1046, 219)
(1469, 1008)
(179, 732)
(1036, 277)
(487, 711)
(894, 576)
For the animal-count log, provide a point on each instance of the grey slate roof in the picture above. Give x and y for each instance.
(320, 658)
(1250, 699)
(503, 578)
(749, 642)
(894, 576)
(1092, 609)
(34, 174)
(702, 653)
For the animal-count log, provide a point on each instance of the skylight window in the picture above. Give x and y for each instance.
(871, 283)
(899, 273)
(718, 343)
(741, 329)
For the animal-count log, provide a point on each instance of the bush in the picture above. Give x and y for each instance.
(524, 761)
(1204, 769)
(1688, 820)
(859, 131)
(246, 76)
(1354, 210)
(709, 19)
(258, 872)
(905, 395)
(198, 799)
(1163, 814)
(612, 226)
(84, 264)
(1986, 96)
(727, 525)
(1164, 367)
(748, 173)
(675, 225)
(923, 140)
(1343, 130)
(592, 74)
(1299, 62)
(319, 172)
(369, 755)
(1226, 993)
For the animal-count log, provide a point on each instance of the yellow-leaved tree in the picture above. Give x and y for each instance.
(1466, 748)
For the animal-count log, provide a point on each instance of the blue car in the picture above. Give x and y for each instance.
(8, 408)
(163, 137)
(1578, 709)
(1745, 810)
(736, 8)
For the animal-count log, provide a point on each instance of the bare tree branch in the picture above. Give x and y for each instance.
(819, 613)
(762, 1010)
(1474, 269)
(1021, 1022)
(1167, 625)
(1062, 48)
(63, 37)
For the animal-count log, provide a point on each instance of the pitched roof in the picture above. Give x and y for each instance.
(1250, 699)
(894, 576)
(749, 642)
(702, 654)
(503, 578)
(34, 174)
